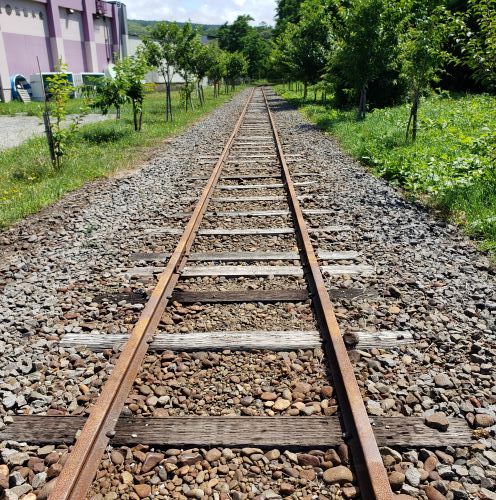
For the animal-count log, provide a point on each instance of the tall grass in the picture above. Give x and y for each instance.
(452, 165)
(28, 181)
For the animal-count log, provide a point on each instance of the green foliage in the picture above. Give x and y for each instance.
(366, 45)
(109, 94)
(186, 50)
(236, 68)
(423, 53)
(60, 90)
(453, 162)
(28, 181)
(161, 44)
(130, 79)
(231, 36)
(218, 67)
(481, 44)
(139, 28)
(288, 11)
(250, 41)
(203, 59)
(302, 50)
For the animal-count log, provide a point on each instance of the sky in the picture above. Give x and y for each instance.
(201, 11)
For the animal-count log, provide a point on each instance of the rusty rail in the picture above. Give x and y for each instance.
(79, 471)
(371, 474)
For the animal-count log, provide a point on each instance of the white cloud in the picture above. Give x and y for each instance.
(208, 12)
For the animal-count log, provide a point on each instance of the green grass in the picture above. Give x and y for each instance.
(13, 108)
(451, 166)
(28, 182)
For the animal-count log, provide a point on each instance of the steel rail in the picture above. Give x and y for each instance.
(82, 464)
(370, 471)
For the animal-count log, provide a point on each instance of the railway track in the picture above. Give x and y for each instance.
(249, 192)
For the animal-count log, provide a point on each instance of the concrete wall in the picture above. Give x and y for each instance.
(70, 30)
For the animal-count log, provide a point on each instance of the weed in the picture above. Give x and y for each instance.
(28, 182)
(452, 164)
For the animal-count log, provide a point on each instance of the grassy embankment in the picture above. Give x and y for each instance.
(451, 166)
(28, 181)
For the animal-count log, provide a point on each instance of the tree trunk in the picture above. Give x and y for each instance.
(135, 116)
(362, 106)
(117, 112)
(169, 101)
(305, 91)
(413, 118)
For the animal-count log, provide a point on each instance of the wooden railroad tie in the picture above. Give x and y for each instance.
(228, 187)
(238, 432)
(238, 271)
(244, 256)
(253, 213)
(236, 296)
(256, 231)
(236, 340)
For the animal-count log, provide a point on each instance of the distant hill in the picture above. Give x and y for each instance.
(137, 27)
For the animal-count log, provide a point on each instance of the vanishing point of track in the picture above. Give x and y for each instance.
(81, 466)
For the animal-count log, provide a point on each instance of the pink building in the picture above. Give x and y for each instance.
(84, 34)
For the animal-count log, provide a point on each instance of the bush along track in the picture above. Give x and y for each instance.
(29, 182)
(451, 166)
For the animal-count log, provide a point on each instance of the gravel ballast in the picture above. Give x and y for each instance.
(429, 280)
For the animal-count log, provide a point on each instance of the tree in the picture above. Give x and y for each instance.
(186, 49)
(241, 37)
(204, 58)
(303, 49)
(367, 44)
(422, 52)
(481, 45)
(130, 76)
(60, 90)
(218, 67)
(288, 11)
(161, 42)
(257, 52)
(236, 68)
(109, 94)
(231, 37)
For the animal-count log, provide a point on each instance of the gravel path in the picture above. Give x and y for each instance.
(14, 130)
(429, 280)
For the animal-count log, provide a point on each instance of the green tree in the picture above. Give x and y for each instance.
(218, 67)
(130, 77)
(204, 59)
(302, 50)
(481, 45)
(161, 43)
(187, 47)
(257, 51)
(367, 44)
(250, 41)
(236, 68)
(423, 53)
(109, 94)
(287, 11)
(60, 90)
(231, 37)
